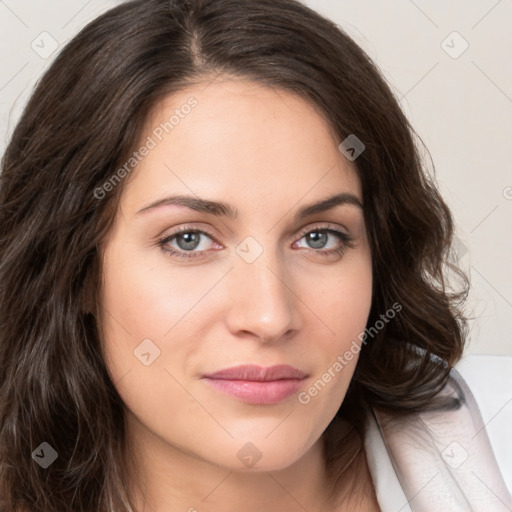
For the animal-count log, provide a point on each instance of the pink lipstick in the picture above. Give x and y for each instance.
(256, 384)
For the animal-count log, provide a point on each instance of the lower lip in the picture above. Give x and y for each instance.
(253, 392)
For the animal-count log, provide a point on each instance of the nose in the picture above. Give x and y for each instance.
(263, 304)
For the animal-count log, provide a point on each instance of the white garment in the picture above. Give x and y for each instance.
(449, 461)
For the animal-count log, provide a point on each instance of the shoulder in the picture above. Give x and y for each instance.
(449, 452)
(489, 378)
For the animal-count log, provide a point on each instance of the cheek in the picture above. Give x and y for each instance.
(145, 297)
(344, 303)
(146, 335)
(149, 306)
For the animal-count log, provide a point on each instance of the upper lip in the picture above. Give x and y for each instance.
(258, 373)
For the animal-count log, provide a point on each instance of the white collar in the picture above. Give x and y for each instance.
(440, 461)
(390, 494)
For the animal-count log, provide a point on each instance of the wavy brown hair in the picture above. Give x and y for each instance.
(81, 123)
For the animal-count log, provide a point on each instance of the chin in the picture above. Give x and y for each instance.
(262, 455)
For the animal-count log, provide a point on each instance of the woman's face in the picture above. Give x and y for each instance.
(250, 288)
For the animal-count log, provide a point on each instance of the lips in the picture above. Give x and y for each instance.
(258, 373)
(256, 384)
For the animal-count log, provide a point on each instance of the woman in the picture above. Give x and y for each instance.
(223, 277)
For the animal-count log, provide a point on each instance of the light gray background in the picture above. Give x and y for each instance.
(460, 103)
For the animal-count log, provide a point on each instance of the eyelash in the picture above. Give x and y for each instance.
(347, 241)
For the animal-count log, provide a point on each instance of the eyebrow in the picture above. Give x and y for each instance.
(222, 209)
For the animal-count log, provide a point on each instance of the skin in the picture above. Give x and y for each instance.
(266, 152)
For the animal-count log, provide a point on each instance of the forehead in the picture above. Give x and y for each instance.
(240, 139)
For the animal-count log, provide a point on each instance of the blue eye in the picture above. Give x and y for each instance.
(321, 235)
(190, 239)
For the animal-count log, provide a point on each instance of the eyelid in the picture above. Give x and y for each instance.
(206, 231)
(185, 229)
(346, 242)
(322, 226)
